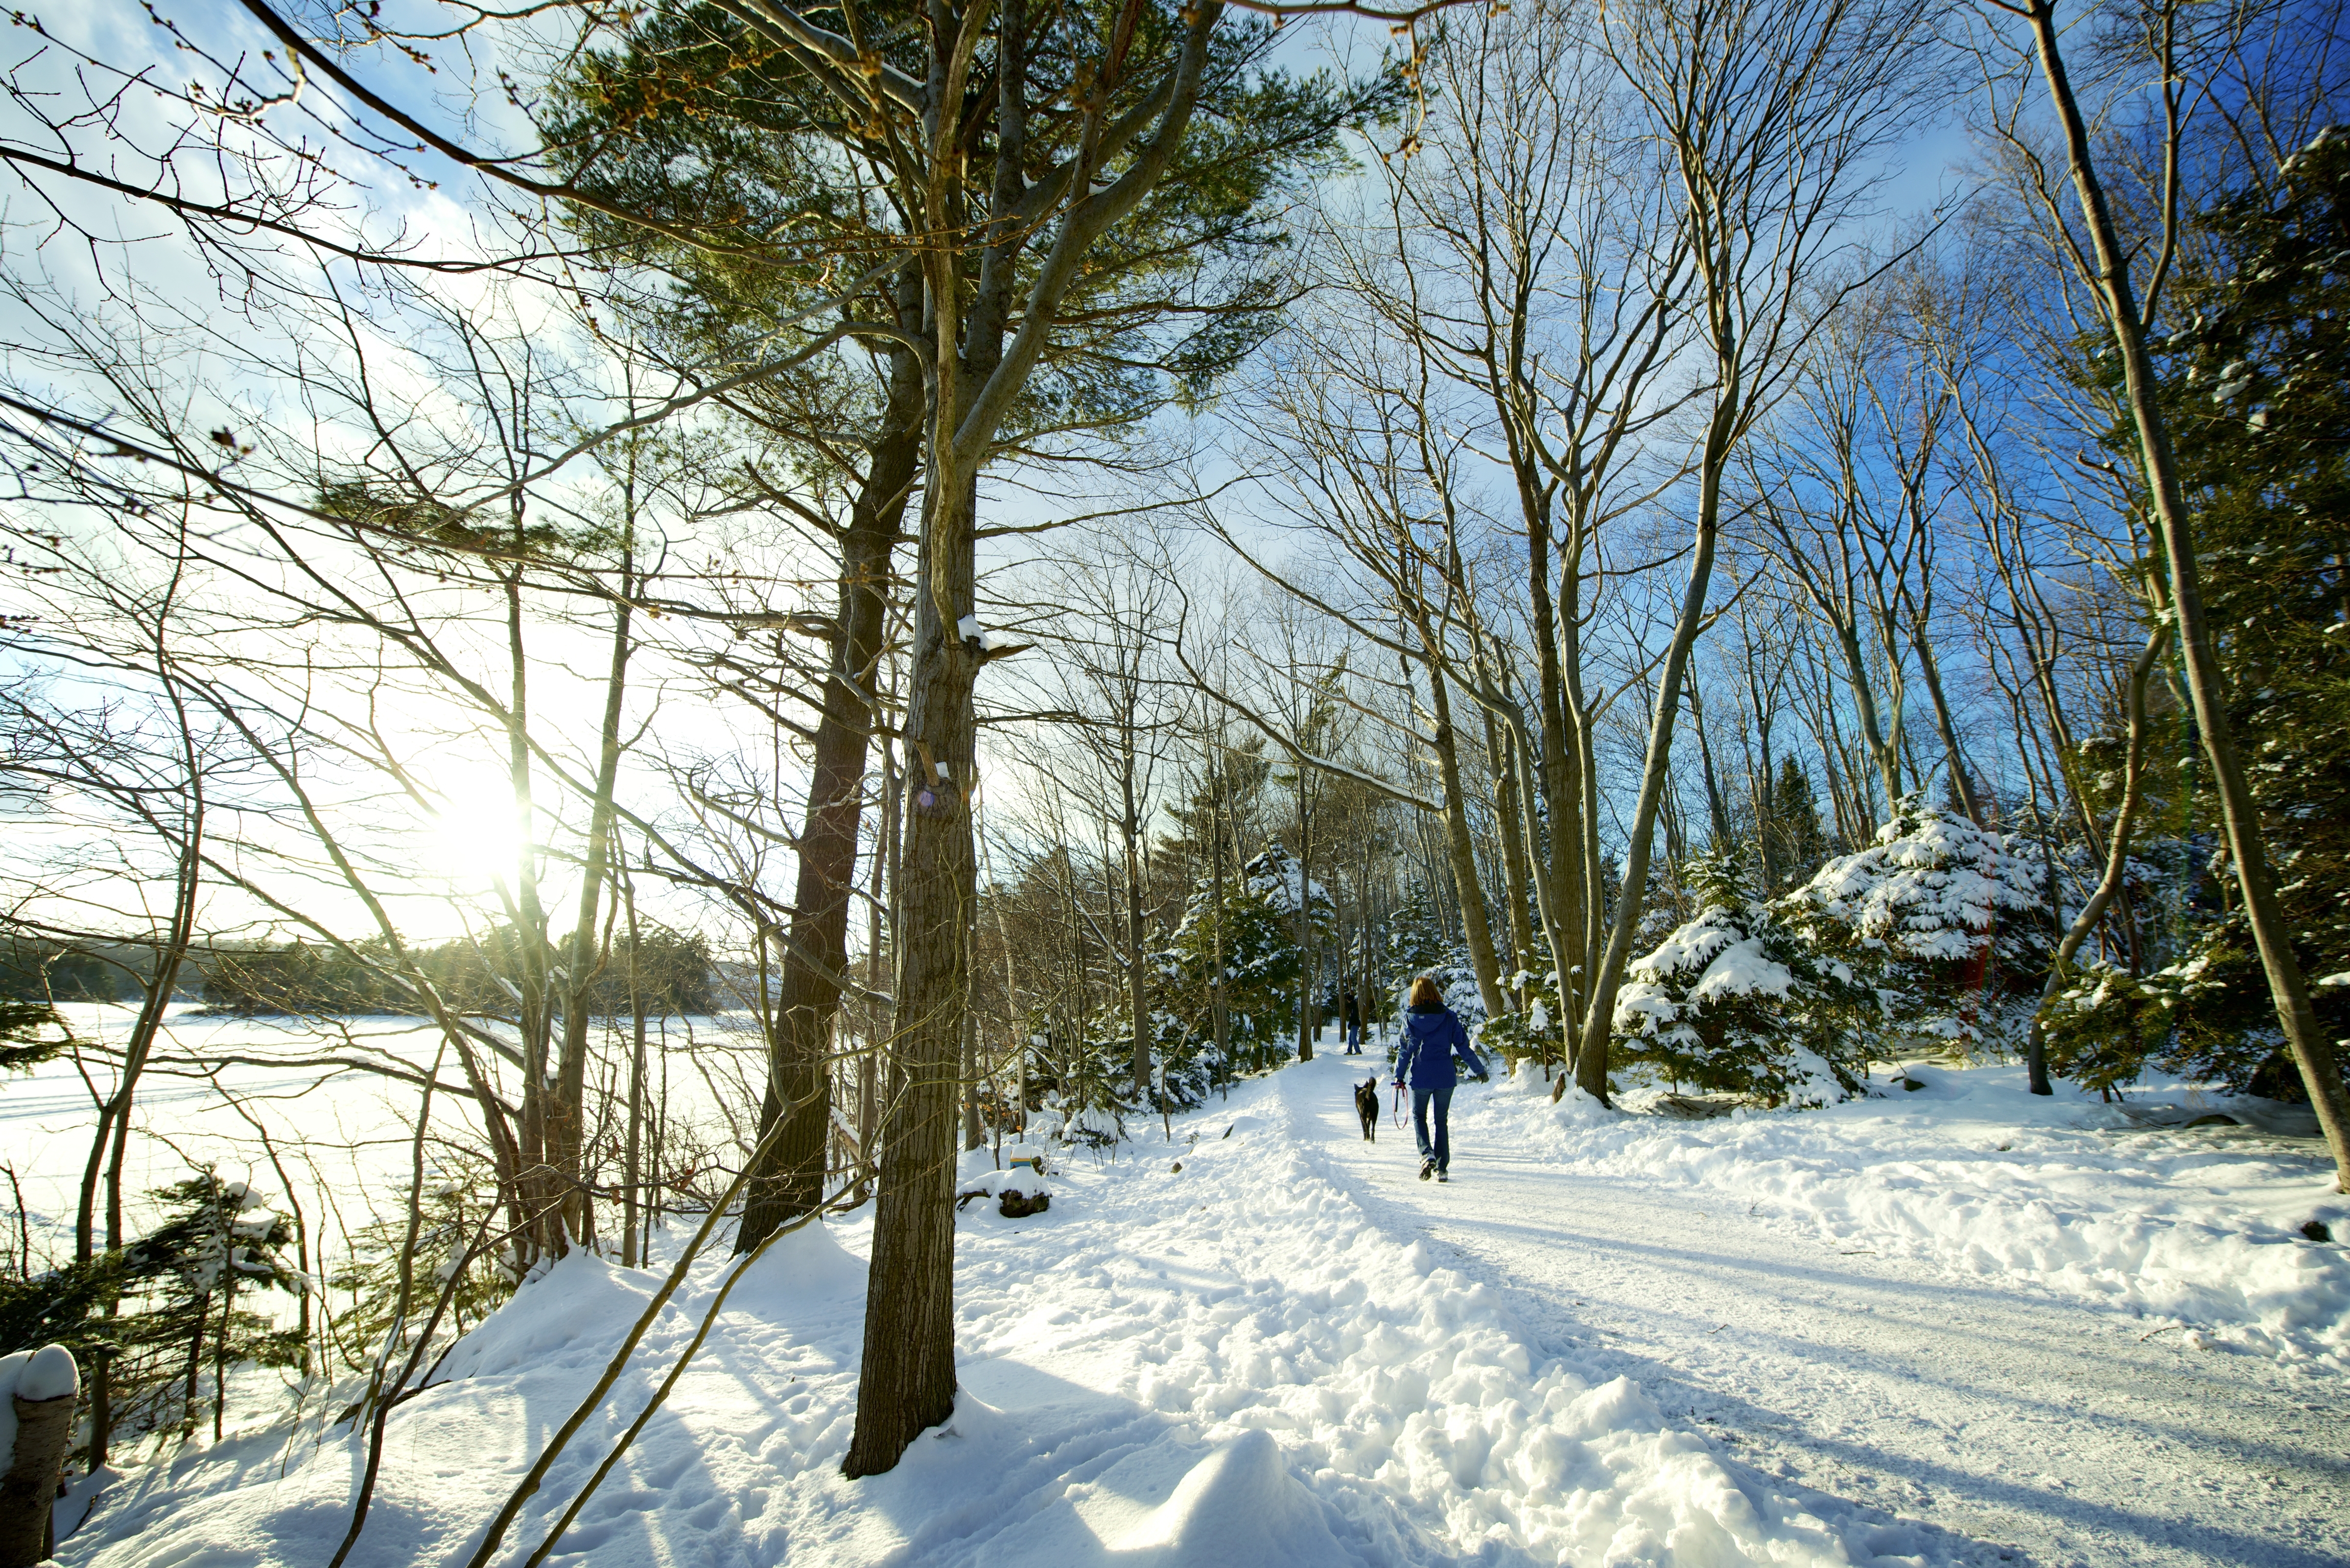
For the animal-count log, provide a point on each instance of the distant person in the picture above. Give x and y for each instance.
(1433, 1036)
(1353, 1014)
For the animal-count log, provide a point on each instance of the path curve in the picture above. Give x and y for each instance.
(2043, 1426)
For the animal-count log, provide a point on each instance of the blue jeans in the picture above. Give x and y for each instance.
(1442, 1150)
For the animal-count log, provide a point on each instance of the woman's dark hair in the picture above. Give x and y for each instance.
(1425, 994)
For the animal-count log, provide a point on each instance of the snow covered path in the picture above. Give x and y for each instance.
(2042, 1425)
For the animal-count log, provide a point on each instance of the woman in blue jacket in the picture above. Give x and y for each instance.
(1432, 1037)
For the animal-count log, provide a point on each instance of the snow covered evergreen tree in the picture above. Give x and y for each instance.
(1734, 999)
(1416, 937)
(1264, 964)
(2256, 384)
(1938, 914)
(218, 1241)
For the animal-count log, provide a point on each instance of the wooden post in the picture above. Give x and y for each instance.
(44, 1429)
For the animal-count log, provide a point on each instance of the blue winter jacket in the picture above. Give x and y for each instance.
(1432, 1037)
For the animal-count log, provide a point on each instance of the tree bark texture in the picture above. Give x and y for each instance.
(1460, 851)
(790, 1181)
(1592, 1052)
(29, 1489)
(907, 1380)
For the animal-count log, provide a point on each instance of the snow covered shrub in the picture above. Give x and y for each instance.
(2205, 1018)
(1182, 1052)
(1085, 1074)
(1938, 914)
(2102, 1024)
(1735, 1001)
(1537, 1035)
(181, 1317)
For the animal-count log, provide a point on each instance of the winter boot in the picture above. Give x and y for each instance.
(1427, 1169)
(1443, 1176)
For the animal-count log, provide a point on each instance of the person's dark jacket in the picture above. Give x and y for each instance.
(1432, 1038)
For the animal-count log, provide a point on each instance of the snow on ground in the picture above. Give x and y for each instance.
(2200, 1229)
(1865, 1335)
(2035, 1425)
(1228, 1365)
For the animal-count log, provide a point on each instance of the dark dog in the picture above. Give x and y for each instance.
(1366, 1106)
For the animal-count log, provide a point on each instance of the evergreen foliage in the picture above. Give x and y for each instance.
(30, 1034)
(1791, 826)
(178, 1322)
(458, 1212)
(1263, 963)
(2257, 390)
(1415, 940)
(40, 971)
(697, 120)
(1735, 999)
(218, 1241)
(1938, 914)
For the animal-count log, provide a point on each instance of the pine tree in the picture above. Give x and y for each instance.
(1416, 942)
(217, 1240)
(1938, 914)
(1791, 814)
(2258, 386)
(1734, 999)
(1263, 962)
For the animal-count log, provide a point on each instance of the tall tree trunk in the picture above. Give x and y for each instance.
(1501, 760)
(1962, 783)
(2206, 683)
(1592, 1053)
(1129, 827)
(632, 1172)
(789, 1181)
(1550, 764)
(583, 960)
(1574, 828)
(906, 1379)
(548, 1187)
(1717, 808)
(1886, 753)
(1460, 851)
(1309, 991)
(114, 1117)
(907, 1382)
(1219, 1001)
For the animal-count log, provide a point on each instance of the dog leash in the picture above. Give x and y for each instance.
(1398, 1105)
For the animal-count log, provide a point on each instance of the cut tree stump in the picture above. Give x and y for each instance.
(29, 1491)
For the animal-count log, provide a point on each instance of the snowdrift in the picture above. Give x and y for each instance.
(2191, 1231)
(1227, 1365)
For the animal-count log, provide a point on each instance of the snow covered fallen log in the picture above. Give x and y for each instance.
(1019, 1189)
